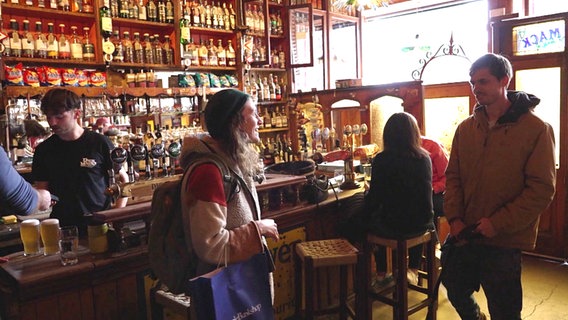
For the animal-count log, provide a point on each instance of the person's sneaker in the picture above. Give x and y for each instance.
(412, 276)
(382, 282)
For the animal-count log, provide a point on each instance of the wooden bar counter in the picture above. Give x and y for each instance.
(115, 286)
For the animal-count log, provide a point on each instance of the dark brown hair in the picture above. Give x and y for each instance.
(402, 136)
(59, 100)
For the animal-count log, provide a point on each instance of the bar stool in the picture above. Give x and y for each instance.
(399, 299)
(312, 255)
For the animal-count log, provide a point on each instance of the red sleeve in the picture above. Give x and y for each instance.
(205, 184)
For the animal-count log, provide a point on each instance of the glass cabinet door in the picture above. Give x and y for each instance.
(343, 49)
(301, 35)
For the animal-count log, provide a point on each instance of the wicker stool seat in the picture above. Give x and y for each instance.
(397, 296)
(312, 255)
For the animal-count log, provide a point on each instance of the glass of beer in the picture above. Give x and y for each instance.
(49, 230)
(68, 245)
(29, 232)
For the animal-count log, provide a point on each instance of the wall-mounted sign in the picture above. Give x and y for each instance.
(539, 38)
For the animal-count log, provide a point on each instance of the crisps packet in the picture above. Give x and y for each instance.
(31, 77)
(82, 78)
(98, 79)
(14, 75)
(69, 77)
(49, 77)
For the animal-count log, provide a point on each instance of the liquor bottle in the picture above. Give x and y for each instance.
(169, 11)
(161, 11)
(40, 42)
(15, 39)
(221, 54)
(274, 119)
(277, 88)
(231, 55)
(195, 15)
(261, 21)
(142, 13)
(202, 14)
(53, 4)
(152, 10)
(52, 43)
(281, 58)
(203, 57)
(193, 53)
(249, 18)
(27, 40)
(106, 21)
(266, 88)
(76, 6)
(133, 10)
(226, 17)
(123, 6)
(118, 54)
(267, 119)
(114, 6)
(63, 5)
(168, 50)
(5, 41)
(127, 47)
(212, 54)
(284, 118)
(87, 6)
(274, 59)
(184, 27)
(232, 17)
(220, 17)
(138, 49)
(64, 45)
(208, 22)
(76, 45)
(214, 19)
(147, 47)
(88, 46)
(158, 50)
(40, 3)
(271, 87)
(259, 89)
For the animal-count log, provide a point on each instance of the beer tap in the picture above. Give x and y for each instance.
(130, 165)
(139, 153)
(118, 156)
(156, 153)
(173, 151)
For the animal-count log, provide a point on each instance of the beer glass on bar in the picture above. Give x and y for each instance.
(49, 229)
(29, 232)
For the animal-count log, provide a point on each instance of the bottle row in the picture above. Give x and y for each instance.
(152, 10)
(255, 49)
(85, 6)
(210, 16)
(264, 88)
(208, 53)
(255, 20)
(273, 117)
(147, 50)
(47, 44)
(276, 150)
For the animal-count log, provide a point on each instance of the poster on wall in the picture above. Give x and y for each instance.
(283, 253)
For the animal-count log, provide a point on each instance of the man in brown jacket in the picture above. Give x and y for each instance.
(500, 178)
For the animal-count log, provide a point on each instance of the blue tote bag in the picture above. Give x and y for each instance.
(237, 291)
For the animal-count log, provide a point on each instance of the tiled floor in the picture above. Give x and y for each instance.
(545, 294)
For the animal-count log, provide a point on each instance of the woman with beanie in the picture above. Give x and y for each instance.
(218, 230)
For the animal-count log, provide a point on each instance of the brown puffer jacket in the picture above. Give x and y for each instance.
(506, 172)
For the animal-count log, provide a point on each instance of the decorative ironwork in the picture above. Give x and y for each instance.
(361, 5)
(447, 49)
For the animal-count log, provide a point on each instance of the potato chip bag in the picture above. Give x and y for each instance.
(14, 75)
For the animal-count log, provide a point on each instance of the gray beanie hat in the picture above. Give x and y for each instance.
(221, 107)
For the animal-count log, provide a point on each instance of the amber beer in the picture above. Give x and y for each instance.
(49, 230)
(29, 232)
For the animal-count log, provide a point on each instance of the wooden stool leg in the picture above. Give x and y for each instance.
(309, 270)
(343, 292)
(367, 302)
(432, 278)
(401, 308)
(298, 284)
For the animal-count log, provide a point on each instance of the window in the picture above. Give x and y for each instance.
(393, 45)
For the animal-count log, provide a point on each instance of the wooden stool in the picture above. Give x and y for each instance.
(320, 254)
(399, 300)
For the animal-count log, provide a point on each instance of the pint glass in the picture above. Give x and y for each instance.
(49, 230)
(29, 232)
